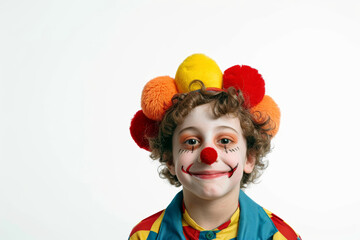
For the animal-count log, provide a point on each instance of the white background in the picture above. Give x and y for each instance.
(71, 77)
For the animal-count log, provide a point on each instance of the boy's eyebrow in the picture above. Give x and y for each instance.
(227, 127)
(217, 128)
(187, 128)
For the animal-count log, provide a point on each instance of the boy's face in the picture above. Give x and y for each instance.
(200, 130)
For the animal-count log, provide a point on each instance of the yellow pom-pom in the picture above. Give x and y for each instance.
(198, 67)
(156, 97)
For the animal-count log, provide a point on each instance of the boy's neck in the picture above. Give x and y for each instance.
(210, 214)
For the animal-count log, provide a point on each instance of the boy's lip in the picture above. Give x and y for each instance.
(209, 174)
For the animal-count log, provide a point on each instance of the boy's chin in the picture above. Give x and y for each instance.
(209, 193)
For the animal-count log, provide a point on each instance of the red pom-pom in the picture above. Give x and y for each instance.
(208, 155)
(141, 128)
(248, 80)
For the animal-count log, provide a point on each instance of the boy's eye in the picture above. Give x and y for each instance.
(192, 141)
(225, 141)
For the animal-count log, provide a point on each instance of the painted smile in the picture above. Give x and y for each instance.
(210, 174)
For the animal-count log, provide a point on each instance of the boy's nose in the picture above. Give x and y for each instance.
(208, 155)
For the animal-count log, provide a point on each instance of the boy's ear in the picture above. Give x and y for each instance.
(171, 167)
(169, 163)
(250, 163)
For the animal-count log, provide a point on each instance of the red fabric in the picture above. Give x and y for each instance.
(190, 233)
(283, 228)
(142, 127)
(146, 223)
(248, 80)
(208, 155)
(224, 225)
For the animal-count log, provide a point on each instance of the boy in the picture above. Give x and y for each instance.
(210, 131)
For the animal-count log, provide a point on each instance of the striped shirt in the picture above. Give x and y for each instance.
(259, 224)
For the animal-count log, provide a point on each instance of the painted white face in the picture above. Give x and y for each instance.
(201, 130)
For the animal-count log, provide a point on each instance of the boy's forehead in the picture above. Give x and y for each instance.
(203, 117)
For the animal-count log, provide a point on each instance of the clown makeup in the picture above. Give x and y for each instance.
(231, 150)
(181, 151)
(209, 154)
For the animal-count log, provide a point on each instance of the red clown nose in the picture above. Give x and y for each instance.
(208, 155)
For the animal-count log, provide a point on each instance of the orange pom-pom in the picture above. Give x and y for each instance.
(265, 109)
(156, 97)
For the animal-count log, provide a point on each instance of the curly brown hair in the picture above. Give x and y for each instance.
(230, 101)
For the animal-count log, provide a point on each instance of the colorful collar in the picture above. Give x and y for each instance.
(254, 223)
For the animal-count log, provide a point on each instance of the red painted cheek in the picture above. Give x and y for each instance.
(208, 155)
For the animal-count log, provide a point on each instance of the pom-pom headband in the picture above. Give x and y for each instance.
(158, 92)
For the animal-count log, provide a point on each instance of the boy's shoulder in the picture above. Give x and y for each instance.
(284, 230)
(147, 227)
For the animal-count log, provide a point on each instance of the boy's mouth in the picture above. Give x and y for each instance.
(211, 173)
